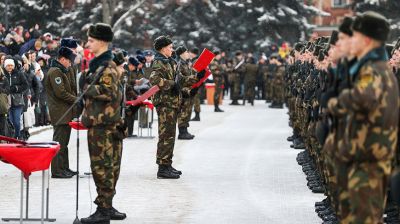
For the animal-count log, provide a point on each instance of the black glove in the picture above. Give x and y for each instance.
(193, 91)
(176, 89)
(13, 88)
(201, 74)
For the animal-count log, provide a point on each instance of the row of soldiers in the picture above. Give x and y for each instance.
(343, 101)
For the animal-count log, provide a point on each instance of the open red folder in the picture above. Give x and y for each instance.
(153, 90)
(202, 63)
(29, 157)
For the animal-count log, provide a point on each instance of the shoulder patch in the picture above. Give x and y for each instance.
(58, 80)
(106, 80)
(366, 77)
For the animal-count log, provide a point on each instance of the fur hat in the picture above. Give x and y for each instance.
(334, 37)
(372, 25)
(66, 53)
(141, 58)
(345, 26)
(180, 50)
(161, 42)
(119, 58)
(101, 31)
(69, 42)
(133, 61)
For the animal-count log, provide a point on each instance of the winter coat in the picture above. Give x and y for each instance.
(4, 95)
(18, 84)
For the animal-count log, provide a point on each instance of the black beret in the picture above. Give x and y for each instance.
(101, 31)
(372, 25)
(180, 50)
(125, 53)
(119, 58)
(69, 42)
(334, 37)
(133, 61)
(141, 58)
(345, 26)
(237, 53)
(161, 42)
(66, 53)
(321, 55)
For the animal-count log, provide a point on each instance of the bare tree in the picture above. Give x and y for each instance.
(133, 8)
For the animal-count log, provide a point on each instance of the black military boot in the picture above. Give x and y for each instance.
(164, 172)
(184, 135)
(189, 133)
(173, 170)
(101, 216)
(217, 109)
(196, 117)
(234, 102)
(116, 215)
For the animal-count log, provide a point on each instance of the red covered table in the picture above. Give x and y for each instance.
(29, 157)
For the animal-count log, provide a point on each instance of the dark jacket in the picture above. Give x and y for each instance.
(18, 84)
(60, 94)
(4, 92)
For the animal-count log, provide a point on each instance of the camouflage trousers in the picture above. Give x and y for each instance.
(196, 103)
(218, 91)
(235, 87)
(185, 112)
(367, 186)
(268, 89)
(61, 135)
(278, 93)
(167, 118)
(105, 152)
(330, 174)
(250, 91)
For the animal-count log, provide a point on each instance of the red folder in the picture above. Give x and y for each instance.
(153, 90)
(77, 125)
(204, 60)
(198, 84)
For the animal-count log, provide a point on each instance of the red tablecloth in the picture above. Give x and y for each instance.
(29, 158)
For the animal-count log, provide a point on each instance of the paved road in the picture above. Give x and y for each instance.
(239, 169)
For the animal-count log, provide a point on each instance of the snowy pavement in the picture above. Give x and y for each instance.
(238, 169)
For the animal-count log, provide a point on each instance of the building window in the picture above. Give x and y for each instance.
(339, 3)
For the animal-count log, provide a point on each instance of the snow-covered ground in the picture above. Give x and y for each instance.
(238, 169)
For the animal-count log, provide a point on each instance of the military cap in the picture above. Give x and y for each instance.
(161, 42)
(141, 58)
(372, 25)
(101, 31)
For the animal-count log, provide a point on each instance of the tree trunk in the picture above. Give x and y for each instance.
(106, 12)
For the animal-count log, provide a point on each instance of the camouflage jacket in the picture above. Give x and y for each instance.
(216, 70)
(163, 75)
(372, 108)
(188, 78)
(103, 98)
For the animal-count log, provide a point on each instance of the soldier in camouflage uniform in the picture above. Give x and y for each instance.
(216, 70)
(234, 77)
(131, 94)
(371, 106)
(196, 99)
(61, 96)
(102, 117)
(277, 70)
(250, 70)
(188, 93)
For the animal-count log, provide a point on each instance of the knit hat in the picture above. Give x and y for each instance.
(345, 26)
(101, 31)
(9, 61)
(372, 25)
(161, 42)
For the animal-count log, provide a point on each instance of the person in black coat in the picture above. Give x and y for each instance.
(18, 85)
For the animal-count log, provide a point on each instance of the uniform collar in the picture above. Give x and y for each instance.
(98, 61)
(377, 54)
